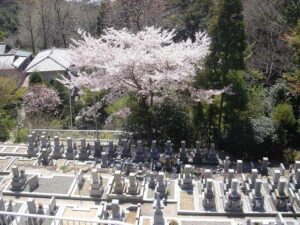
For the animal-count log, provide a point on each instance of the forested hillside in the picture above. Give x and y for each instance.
(254, 49)
(8, 18)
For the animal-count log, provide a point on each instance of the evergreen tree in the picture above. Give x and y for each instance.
(190, 17)
(100, 17)
(226, 59)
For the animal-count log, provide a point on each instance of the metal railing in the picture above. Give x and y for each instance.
(87, 134)
(14, 218)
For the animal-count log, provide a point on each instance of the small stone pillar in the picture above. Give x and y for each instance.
(104, 162)
(118, 183)
(152, 182)
(116, 215)
(239, 166)
(31, 206)
(226, 164)
(133, 185)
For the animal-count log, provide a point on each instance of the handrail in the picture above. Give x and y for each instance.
(105, 131)
(98, 221)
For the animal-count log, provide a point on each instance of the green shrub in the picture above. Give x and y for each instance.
(4, 133)
(171, 121)
(254, 138)
(283, 116)
(21, 135)
(35, 78)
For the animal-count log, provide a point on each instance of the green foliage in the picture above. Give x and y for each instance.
(117, 105)
(100, 17)
(35, 78)
(225, 66)
(254, 138)
(2, 35)
(279, 93)
(167, 120)
(10, 98)
(7, 123)
(89, 97)
(228, 42)
(21, 135)
(8, 17)
(291, 11)
(283, 116)
(191, 17)
(237, 102)
(171, 121)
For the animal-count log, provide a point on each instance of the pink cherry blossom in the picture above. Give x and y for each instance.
(147, 63)
(40, 99)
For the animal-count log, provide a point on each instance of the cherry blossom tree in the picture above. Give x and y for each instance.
(40, 102)
(147, 63)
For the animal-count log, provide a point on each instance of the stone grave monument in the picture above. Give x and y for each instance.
(233, 200)
(33, 182)
(104, 161)
(84, 152)
(32, 209)
(154, 154)
(186, 181)
(133, 187)
(256, 197)
(19, 179)
(161, 186)
(226, 164)
(239, 166)
(96, 189)
(198, 158)
(44, 158)
(115, 208)
(118, 187)
(80, 179)
(70, 151)
(111, 150)
(52, 206)
(139, 154)
(207, 174)
(228, 178)
(280, 197)
(264, 166)
(97, 149)
(212, 157)
(32, 148)
(58, 149)
(183, 154)
(209, 196)
(158, 218)
(273, 181)
(295, 184)
(168, 148)
(152, 182)
(126, 153)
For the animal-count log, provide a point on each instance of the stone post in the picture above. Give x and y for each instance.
(239, 166)
(281, 186)
(257, 187)
(226, 164)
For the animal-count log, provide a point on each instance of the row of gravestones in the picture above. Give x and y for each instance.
(283, 193)
(42, 148)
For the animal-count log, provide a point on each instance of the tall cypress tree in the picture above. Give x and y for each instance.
(227, 56)
(100, 17)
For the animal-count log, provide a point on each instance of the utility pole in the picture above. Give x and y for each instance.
(70, 102)
(95, 115)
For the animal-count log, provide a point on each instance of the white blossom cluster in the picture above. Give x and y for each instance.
(148, 63)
